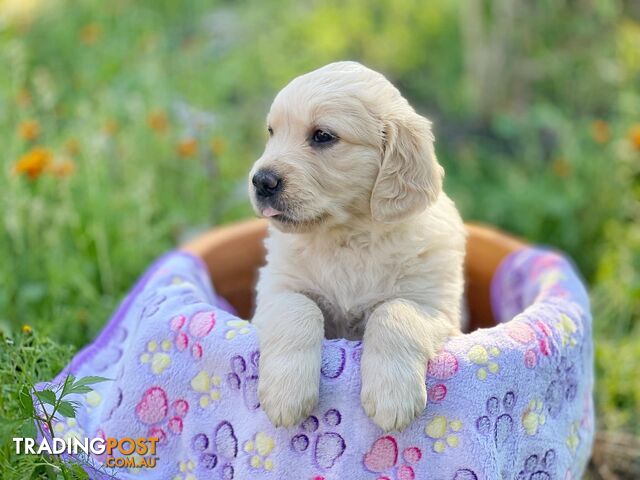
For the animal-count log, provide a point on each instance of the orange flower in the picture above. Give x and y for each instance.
(158, 121)
(34, 162)
(72, 146)
(63, 168)
(634, 136)
(90, 33)
(111, 127)
(218, 146)
(29, 130)
(600, 131)
(187, 147)
(561, 167)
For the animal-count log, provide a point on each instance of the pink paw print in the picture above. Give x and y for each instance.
(383, 458)
(199, 326)
(154, 410)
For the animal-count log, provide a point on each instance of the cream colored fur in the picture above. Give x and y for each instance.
(372, 249)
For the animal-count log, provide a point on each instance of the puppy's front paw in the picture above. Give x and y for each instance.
(393, 391)
(289, 386)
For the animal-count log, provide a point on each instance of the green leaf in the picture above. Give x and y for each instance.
(66, 409)
(46, 396)
(82, 385)
(26, 401)
(28, 428)
(90, 380)
(67, 385)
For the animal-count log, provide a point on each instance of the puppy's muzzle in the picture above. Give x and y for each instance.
(267, 184)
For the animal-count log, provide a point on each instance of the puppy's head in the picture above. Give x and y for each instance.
(343, 145)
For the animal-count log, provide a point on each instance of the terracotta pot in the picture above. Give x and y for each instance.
(234, 253)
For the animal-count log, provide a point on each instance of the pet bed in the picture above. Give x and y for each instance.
(513, 401)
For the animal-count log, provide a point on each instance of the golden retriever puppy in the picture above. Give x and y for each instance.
(363, 244)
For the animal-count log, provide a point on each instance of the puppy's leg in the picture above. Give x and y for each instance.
(399, 339)
(290, 329)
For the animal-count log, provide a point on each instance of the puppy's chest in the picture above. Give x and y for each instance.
(347, 289)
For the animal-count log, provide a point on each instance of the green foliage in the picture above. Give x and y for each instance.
(158, 107)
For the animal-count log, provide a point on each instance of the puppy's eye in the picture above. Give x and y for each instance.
(323, 137)
(270, 130)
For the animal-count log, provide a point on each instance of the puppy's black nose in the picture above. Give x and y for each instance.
(267, 183)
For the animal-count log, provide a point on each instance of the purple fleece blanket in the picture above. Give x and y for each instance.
(510, 402)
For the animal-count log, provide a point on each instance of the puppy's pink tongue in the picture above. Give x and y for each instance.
(270, 212)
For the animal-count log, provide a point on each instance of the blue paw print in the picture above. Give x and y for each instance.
(498, 422)
(536, 468)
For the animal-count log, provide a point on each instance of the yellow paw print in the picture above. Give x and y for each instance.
(68, 429)
(238, 327)
(533, 417)
(207, 384)
(567, 328)
(186, 471)
(156, 356)
(483, 357)
(443, 432)
(93, 399)
(573, 439)
(259, 448)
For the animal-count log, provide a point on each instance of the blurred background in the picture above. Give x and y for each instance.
(126, 126)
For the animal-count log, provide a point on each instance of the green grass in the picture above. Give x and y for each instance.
(517, 141)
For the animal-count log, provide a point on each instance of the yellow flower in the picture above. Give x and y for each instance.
(187, 147)
(600, 131)
(111, 127)
(634, 136)
(26, 328)
(34, 162)
(158, 121)
(218, 146)
(63, 168)
(29, 130)
(72, 146)
(90, 33)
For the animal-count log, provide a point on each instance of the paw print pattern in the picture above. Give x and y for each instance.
(562, 388)
(533, 417)
(383, 458)
(443, 432)
(68, 429)
(573, 438)
(244, 377)
(217, 451)
(334, 359)
(152, 302)
(498, 425)
(237, 327)
(465, 474)
(208, 386)
(538, 467)
(484, 358)
(156, 356)
(186, 470)
(443, 366)
(154, 409)
(93, 400)
(567, 329)
(328, 446)
(199, 326)
(259, 450)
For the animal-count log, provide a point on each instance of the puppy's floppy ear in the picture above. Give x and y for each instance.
(410, 177)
